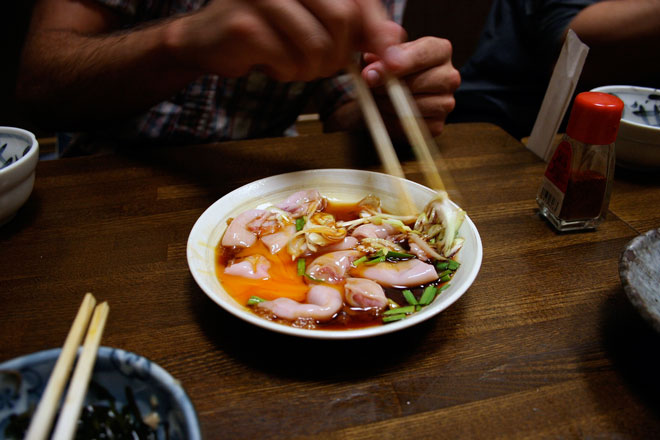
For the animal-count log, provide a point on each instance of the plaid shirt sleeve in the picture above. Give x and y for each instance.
(139, 11)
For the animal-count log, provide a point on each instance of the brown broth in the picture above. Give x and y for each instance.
(343, 211)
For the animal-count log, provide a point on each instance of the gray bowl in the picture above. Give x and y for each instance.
(639, 270)
(23, 380)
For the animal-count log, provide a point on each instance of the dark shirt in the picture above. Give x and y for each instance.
(505, 80)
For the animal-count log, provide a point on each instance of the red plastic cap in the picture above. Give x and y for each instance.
(595, 118)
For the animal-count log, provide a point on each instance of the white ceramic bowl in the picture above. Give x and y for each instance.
(114, 370)
(19, 154)
(637, 144)
(337, 184)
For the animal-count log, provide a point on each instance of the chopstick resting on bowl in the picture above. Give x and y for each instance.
(47, 408)
(424, 147)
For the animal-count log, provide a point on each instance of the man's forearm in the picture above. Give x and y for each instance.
(624, 37)
(73, 79)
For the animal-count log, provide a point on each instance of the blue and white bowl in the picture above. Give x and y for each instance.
(637, 144)
(19, 154)
(114, 370)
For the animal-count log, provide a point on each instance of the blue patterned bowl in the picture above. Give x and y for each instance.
(19, 154)
(637, 143)
(155, 390)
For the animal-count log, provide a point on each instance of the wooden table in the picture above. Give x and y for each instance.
(543, 345)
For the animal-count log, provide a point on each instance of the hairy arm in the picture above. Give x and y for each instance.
(78, 67)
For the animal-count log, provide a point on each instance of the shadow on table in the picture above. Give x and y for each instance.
(634, 348)
(235, 163)
(643, 177)
(24, 217)
(314, 359)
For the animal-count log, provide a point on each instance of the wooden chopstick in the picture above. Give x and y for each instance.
(380, 137)
(68, 420)
(47, 407)
(418, 134)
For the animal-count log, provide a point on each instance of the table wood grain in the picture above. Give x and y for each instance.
(543, 345)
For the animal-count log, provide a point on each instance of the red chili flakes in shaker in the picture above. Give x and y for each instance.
(584, 195)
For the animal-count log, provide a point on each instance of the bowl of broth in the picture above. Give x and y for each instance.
(340, 188)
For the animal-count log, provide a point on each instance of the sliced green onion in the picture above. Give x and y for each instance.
(255, 300)
(443, 273)
(359, 261)
(300, 223)
(443, 287)
(392, 318)
(442, 265)
(445, 278)
(376, 260)
(410, 297)
(394, 254)
(428, 295)
(453, 264)
(400, 310)
(314, 279)
(301, 266)
(396, 222)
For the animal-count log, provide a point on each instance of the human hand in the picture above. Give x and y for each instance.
(425, 66)
(288, 39)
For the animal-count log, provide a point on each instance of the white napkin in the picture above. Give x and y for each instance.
(557, 98)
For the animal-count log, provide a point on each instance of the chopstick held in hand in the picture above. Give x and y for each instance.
(418, 135)
(424, 147)
(380, 136)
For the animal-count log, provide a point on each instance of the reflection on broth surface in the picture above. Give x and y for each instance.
(311, 263)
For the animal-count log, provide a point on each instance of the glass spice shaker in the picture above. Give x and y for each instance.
(576, 186)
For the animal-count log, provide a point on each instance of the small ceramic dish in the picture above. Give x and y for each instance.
(343, 185)
(23, 379)
(19, 154)
(637, 144)
(639, 270)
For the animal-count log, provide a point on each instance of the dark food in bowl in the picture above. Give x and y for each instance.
(104, 419)
(141, 395)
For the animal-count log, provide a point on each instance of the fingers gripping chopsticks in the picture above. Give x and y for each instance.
(419, 137)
